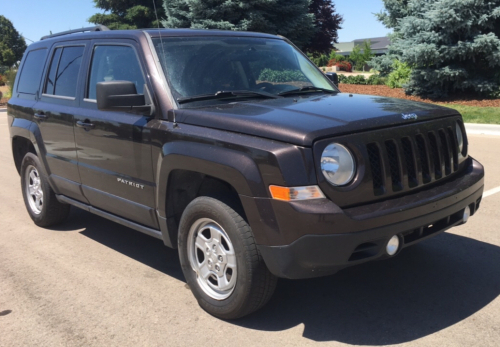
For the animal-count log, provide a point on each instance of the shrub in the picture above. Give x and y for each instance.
(376, 80)
(318, 60)
(3, 80)
(281, 76)
(360, 79)
(337, 57)
(399, 75)
(342, 65)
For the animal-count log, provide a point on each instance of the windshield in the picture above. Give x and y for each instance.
(197, 66)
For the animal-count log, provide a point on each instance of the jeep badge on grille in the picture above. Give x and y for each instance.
(408, 116)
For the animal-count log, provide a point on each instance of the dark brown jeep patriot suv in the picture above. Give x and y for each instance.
(234, 148)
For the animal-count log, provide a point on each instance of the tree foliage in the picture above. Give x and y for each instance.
(451, 45)
(12, 44)
(361, 55)
(289, 18)
(128, 14)
(327, 22)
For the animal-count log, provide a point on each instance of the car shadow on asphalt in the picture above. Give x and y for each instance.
(133, 244)
(426, 288)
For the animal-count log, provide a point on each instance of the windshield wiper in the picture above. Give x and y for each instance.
(227, 94)
(307, 89)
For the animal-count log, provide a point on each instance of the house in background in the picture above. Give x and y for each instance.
(378, 45)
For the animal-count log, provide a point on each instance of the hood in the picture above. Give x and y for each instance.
(302, 120)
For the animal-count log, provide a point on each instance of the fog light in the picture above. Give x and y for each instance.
(466, 215)
(393, 245)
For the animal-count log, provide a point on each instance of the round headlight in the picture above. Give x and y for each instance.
(460, 138)
(337, 164)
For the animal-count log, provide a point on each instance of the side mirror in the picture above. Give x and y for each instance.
(333, 77)
(121, 96)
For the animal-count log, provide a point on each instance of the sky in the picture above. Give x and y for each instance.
(36, 18)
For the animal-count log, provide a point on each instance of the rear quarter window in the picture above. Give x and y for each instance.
(31, 73)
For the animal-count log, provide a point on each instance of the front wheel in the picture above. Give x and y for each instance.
(220, 260)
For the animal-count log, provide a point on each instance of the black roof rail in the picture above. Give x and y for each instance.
(82, 30)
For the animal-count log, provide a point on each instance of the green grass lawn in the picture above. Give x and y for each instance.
(471, 114)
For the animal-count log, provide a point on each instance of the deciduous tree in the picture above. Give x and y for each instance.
(327, 22)
(12, 44)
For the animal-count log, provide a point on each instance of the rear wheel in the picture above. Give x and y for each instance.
(220, 260)
(40, 200)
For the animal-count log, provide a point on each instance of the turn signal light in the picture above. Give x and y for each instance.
(296, 193)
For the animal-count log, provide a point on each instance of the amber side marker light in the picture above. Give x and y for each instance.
(296, 193)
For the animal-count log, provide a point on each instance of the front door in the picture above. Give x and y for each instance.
(114, 148)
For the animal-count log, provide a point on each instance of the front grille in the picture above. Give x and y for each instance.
(412, 161)
(395, 161)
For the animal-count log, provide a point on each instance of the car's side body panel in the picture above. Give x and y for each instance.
(114, 155)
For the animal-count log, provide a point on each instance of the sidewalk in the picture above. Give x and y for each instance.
(482, 129)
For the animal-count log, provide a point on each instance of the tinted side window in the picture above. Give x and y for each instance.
(29, 80)
(63, 74)
(114, 63)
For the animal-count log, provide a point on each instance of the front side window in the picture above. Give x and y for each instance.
(62, 78)
(31, 73)
(114, 63)
(205, 65)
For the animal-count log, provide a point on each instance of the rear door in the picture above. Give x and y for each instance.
(114, 148)
(54, 114)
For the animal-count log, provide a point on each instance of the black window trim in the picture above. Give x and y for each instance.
(96, 43)
(53, 51)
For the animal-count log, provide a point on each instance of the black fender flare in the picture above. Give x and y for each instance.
(234, 167)
(30, 131)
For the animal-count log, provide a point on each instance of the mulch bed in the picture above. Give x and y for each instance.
(3, 102)
(399, 93)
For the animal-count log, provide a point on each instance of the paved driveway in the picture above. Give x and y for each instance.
(91, 282)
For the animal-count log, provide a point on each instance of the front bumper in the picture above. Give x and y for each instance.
(324, 238)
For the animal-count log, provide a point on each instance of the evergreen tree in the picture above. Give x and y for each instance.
(451, 45)
(289, 18)
(12, 44)
(394, 11)
(128, 14)
(327, 23)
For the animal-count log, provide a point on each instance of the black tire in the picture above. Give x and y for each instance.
(254, 283)
(51, 211)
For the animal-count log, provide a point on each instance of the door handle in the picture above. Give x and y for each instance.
(40, 116)
(86, 125)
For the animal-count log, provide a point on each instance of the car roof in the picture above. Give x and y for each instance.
(139, 33)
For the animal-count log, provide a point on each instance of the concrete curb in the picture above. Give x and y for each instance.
(482, 129)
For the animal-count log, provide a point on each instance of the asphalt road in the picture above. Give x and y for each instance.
(91, 282)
